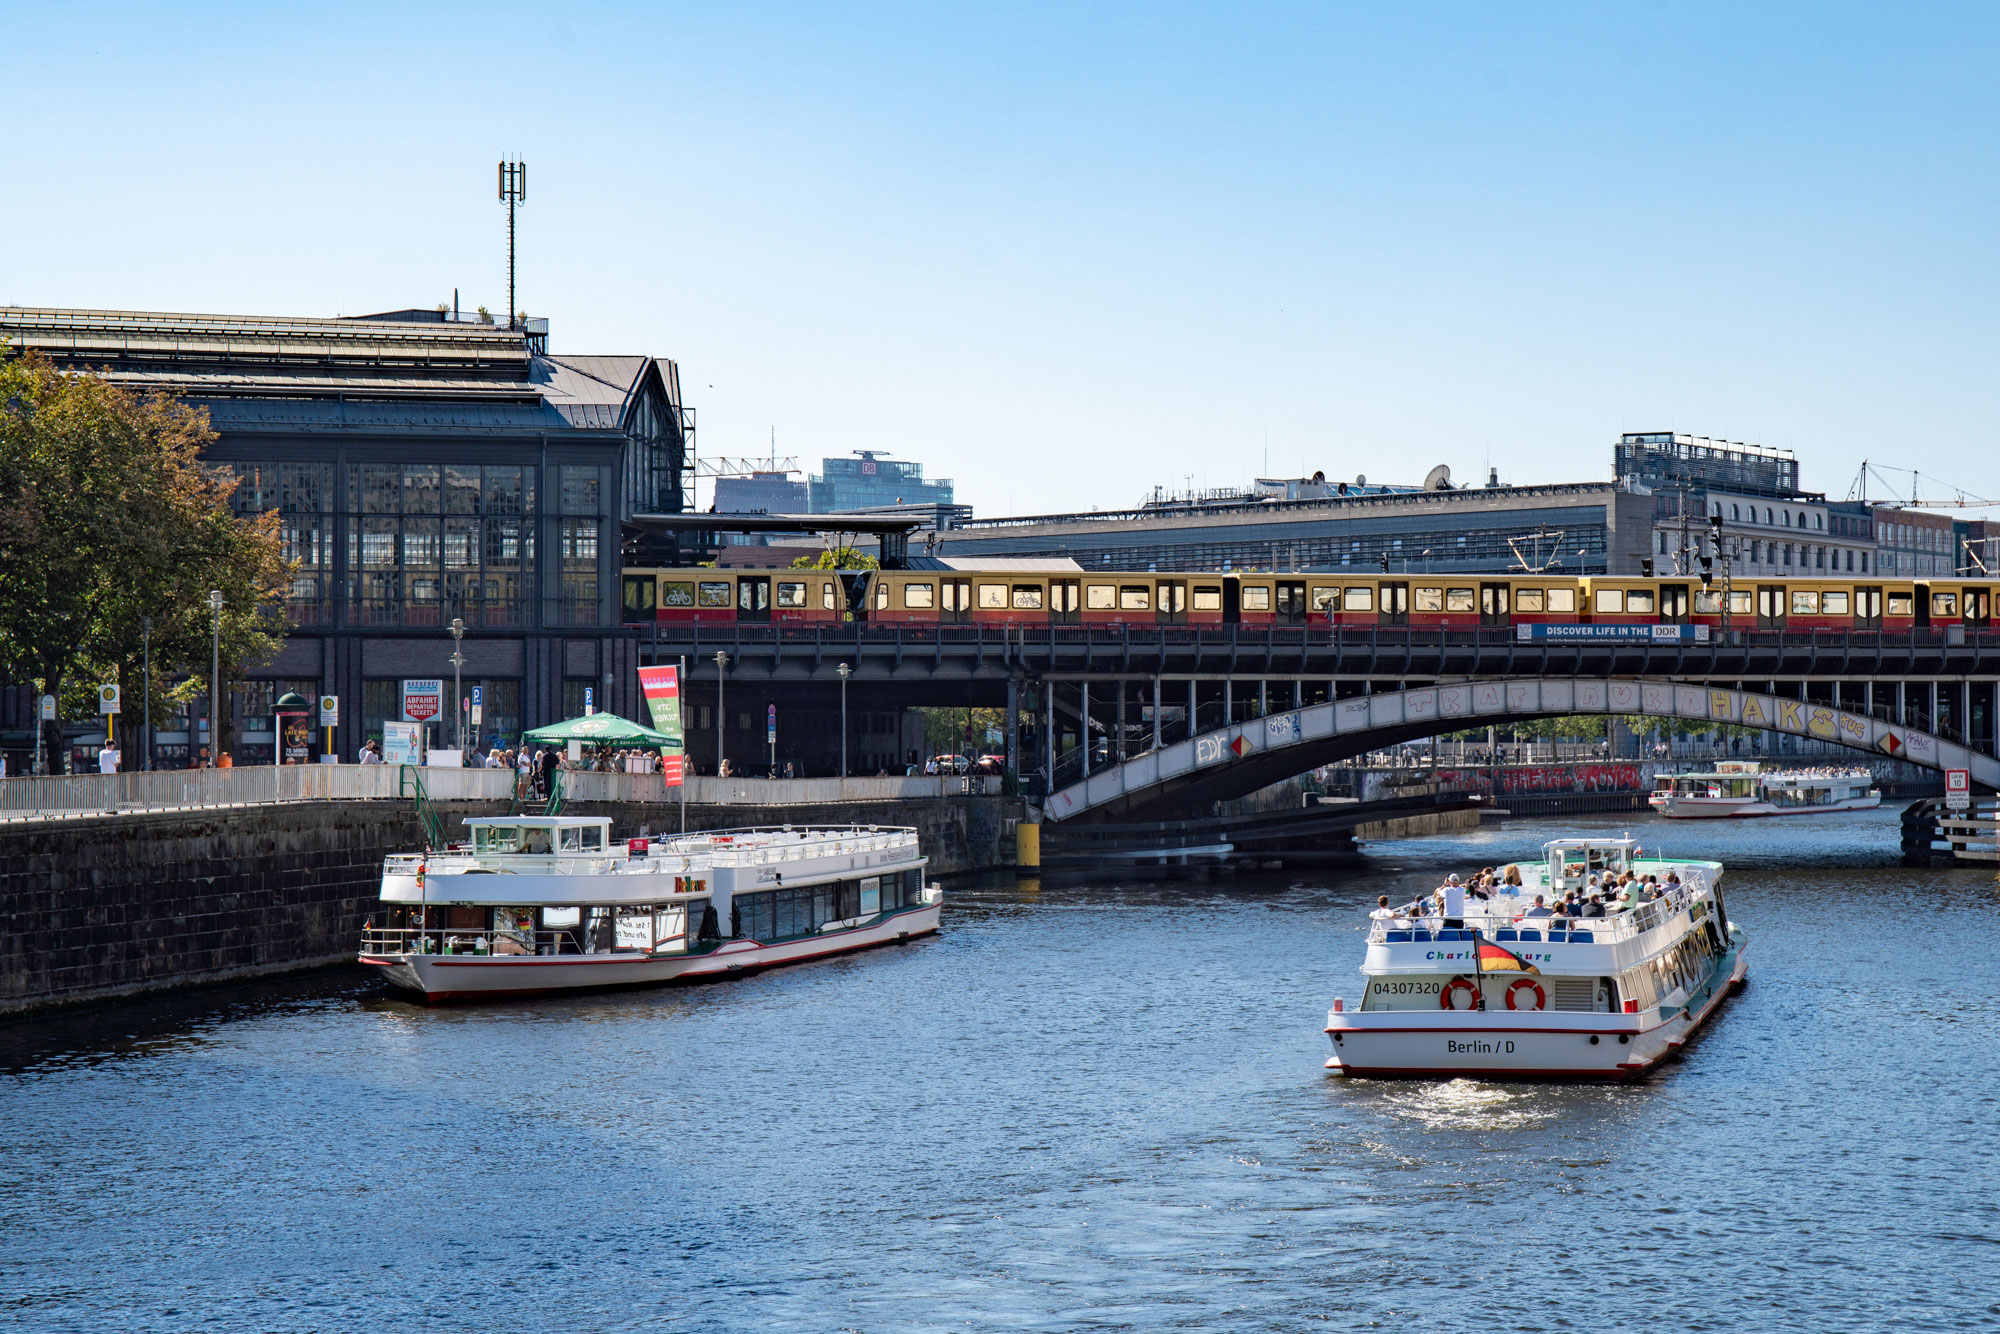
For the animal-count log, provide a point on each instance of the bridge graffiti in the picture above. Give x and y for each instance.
(1538, 778)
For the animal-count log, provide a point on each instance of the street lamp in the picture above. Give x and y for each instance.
(844, 671)
(458, 677)
(146, 631)
(215, 680)
(721, 725)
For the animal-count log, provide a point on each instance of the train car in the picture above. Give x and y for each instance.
(731, 597)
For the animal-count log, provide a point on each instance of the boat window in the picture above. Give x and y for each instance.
(1639, 601)
(993, 597)
(1134, 597)
(593, 838)
(506, 838)
(1027, 597)
(1100, 597)
(1944, 604)
(1358, 599)
(1707, 602)
(791, 595)
(1902, 604)
(1427, 599)
(871, 895)
(1562, 599)
(555, 919)
(1323, 596)
(716, 594)
(536, 841)
(1458, 599)
(1805, 602)
(921, 596)
(1256, 597)
(1207, 597)
(1528, 599)
(572, 839)
(676, 594)
(1611, 599)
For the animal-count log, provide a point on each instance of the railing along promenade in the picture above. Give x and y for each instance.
(73, 795)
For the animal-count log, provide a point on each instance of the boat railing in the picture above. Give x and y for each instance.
(1506, 926)
(722, 847)
(554, 863)
(500, 943)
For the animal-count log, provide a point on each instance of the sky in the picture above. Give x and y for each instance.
(1065, 253)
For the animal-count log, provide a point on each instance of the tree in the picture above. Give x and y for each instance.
(837, 558)
(109, 516)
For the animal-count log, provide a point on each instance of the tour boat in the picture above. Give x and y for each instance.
(1500, 994)
(541, 903)
(1741, 788)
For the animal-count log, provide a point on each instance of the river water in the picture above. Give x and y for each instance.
(1082, 1107)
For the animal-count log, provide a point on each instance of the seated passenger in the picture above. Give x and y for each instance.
(1383, 912)
(1539, 910)
(1594, 908)
(1513, 876)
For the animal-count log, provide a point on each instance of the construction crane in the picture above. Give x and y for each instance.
(1894, 495)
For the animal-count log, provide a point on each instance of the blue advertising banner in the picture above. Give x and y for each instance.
(1654, 634)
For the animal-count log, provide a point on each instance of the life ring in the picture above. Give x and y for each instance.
(1452, 988)
(1514, 989)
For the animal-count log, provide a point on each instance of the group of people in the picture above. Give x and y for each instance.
(1602, 895)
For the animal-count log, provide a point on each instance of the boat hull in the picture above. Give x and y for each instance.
(440, 978)
(1403, 1044)
(1704, 808)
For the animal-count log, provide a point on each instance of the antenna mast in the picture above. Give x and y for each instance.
(513, 192)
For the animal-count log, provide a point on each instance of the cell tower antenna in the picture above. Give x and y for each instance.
(513, 193)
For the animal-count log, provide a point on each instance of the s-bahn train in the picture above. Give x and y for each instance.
(1003, 597)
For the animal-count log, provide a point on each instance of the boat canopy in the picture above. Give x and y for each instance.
(539, 833)
(1573, 860)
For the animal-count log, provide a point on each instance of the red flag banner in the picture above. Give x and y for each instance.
(662, 688)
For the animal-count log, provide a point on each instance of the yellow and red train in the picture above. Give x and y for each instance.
(1004, 597)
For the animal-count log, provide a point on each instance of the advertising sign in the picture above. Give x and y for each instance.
(1656, 634)
(422, 700)
(1957, 789)
(329, 710)
(107, 699)
(662, 688)
(298, 738)
(402, 743)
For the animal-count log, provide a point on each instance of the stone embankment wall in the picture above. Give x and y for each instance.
(98, 908)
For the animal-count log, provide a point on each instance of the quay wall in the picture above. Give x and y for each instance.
(98, 908)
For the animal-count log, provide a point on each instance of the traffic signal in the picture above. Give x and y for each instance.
(1646, 568)
(1385, 562)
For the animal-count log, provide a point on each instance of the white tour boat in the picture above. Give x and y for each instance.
(541, 903)
(1500, 992)
(1742, 788)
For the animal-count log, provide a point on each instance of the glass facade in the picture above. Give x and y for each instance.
(302, 493)
(427, 542)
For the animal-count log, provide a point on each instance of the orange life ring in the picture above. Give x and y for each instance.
(1452, 988)
(1514, 989)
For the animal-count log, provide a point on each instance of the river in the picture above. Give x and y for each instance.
(1085, 1106)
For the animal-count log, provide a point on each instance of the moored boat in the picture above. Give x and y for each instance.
(1739, 789)
(1511, 987)
(537, 904)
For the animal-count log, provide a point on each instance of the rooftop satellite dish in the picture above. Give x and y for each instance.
(1361, 479)
(1438, 478)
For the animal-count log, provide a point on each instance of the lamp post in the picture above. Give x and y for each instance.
(844, 671)
(146, 633)
(721, 715)
(458, 679)
(215, 680)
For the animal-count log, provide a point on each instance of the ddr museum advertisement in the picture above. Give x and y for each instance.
(663, 697)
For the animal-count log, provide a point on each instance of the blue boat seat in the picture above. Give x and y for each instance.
(1506, 933)
(1582, 937)
(1398, 937)
(1531, 935)
(1420, 935)
(1558, 937)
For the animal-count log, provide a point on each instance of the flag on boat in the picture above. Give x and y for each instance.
(1493, 958)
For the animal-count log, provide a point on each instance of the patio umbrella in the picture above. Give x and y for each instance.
(607, 728)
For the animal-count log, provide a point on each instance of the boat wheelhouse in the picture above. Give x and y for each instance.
(1743, 788)
(1503, 989)
(551, 903)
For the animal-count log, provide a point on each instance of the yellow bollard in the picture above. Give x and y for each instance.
(1027, 848)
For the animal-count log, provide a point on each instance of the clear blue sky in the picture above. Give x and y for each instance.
(1062, 253)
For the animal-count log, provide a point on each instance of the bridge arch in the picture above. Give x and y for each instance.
(1237, 760)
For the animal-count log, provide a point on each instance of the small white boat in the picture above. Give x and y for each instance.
(1738, 789)
(1499, 994)
(540, 903)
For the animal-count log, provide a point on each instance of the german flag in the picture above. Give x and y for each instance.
(1494, 959)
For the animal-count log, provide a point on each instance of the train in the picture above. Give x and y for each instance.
(1016, 597)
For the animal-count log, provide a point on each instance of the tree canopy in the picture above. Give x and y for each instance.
(109, 516)
(837, 558)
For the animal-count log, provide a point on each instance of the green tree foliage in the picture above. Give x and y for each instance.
(837, 558)
(109, 516)
(944, 731)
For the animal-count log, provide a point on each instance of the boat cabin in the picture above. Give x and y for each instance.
(1572, 861)
(539, 835)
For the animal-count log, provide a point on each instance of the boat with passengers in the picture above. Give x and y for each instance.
(1600, 963)
(1738, 789)
(544, 903)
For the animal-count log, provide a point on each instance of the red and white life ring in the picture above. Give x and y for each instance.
(1453, 988)
(1514, 989)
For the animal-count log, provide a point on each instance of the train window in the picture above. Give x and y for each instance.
(1707, 602)
(1207, 597)
(1833, 604)
(1639, 602)
(1427, 599)
(714, 594)
(1134, 597)
(1805, 602)
(826, 596)
(1610, 599)
(1902, 604)
(1027, 597)
(919, 596)
(1459, 599)
(676, 594)
(1256, 597)
(791, 595)
(1358, 599)
(881, 595)
(1944, 604)
(992, 596)
(1562, 599)
(1527, 599)
(1739, 602)
(1323, 596)
(1100, 597)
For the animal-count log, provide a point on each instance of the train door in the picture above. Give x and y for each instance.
(1770, 606)
(1923, 607)
(1395, 604)
(854, 590)
(1673, 604)
(1232, 601)
(1868, 608)
(1065, 601)
(1493, 604)
(1291, 602)
(1978, 607)
(1170, 602)
(641, 598)
(753, 598)
(955, 600)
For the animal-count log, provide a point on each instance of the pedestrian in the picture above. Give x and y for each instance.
(108, 758)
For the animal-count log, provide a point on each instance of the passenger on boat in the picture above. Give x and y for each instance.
(1540, 909)
(1451, 903)
(1595, 907)
(1383, 912)
(1513, 876)
(535, 841)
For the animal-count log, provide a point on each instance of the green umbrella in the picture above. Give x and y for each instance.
(604, 727)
